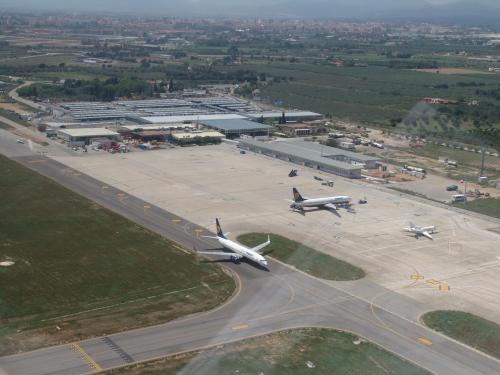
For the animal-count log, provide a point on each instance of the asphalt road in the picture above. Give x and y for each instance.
(267, 301)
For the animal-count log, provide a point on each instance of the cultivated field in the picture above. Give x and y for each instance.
(373, 94)
(453, 71)
(250, 193)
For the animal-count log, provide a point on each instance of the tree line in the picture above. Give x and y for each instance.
(96, 89)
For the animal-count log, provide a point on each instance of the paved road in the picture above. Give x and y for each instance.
(267, 301)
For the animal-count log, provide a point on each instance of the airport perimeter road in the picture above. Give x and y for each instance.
(267, 301)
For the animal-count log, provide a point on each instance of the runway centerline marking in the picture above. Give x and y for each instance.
(239, 327)
(37, 161)
(424, 341)
(93, 365)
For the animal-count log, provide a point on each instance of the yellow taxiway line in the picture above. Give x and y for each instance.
(93, 365)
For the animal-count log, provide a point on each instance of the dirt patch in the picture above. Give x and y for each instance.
(28, 135)
(16, 107)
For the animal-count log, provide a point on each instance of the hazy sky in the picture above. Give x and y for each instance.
(273, 8)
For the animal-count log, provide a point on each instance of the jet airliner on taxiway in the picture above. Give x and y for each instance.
(331, 203)
(238, 251)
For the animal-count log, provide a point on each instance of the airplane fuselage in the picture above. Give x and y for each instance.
(420, 230)
(315, 202)
(242, 251)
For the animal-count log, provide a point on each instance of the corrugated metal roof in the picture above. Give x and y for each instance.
(165, 119)
(308, 151)
(88, 132)
(157, 127)
(235, 125)
(327, 151)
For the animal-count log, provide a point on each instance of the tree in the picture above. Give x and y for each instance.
(233, 52)
(332, 142)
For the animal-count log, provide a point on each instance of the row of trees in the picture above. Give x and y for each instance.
(96, 89)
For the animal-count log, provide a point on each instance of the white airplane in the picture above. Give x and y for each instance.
(237, 251)
(421, 231)
(332, 203)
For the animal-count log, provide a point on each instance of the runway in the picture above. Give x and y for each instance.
(281, 298)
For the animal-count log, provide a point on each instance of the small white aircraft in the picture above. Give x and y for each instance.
(19, 140)
(237, 251)
(331, 203)
(421, 231)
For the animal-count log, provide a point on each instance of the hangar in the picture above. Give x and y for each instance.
(234, 128)
(85, 136)
(314, 155)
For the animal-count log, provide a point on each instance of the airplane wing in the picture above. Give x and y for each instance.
(333, 208)
(426, 234)
(330, 206)
(260, 247)
(221, 253)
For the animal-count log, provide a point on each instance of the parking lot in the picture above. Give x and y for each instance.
(250, 192)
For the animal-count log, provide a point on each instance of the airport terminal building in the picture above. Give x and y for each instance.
(329, 159)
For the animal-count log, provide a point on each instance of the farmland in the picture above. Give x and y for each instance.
(373, 94)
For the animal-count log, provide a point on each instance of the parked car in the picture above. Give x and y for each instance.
(452, 188)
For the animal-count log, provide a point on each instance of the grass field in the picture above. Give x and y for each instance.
(49, 76)
(462, 157)
(373, 94)
(304, 258)
(85, 269)
(49, 59)
(488, 206)
(13, 117)
(284, 353)
(5, 126)
(470, 329)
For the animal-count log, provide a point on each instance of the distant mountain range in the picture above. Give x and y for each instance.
(340, 9)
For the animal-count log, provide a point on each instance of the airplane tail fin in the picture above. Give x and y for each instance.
(296, 195)
(219, 229)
